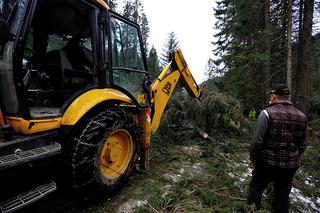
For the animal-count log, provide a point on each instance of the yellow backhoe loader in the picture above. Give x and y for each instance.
(75, 98)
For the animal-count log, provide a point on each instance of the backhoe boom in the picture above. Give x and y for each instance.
(163, 86)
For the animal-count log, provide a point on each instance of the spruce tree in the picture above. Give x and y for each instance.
(289, 44)
(253, 47)
(279, 40)
(112, 4)
(304, 58)
(171, 44)
(240, 49)
(153, 63)
(314, 97)
(134, 10)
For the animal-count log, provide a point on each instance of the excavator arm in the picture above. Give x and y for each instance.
(162, 88)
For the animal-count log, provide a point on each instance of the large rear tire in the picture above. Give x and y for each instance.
(103, 152)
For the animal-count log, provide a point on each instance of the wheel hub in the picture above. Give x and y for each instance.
(116, 154)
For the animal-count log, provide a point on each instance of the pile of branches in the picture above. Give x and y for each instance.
(185, 117)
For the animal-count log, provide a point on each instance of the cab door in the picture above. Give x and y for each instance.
(126, 58)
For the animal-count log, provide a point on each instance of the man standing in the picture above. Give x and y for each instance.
(279, 140)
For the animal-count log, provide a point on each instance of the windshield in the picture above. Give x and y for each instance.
(13, 11)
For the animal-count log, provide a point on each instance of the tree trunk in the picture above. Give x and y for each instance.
(298, 84)
(301, 2)
(289, 45)
(304, 56)
(283, 42)
(267, 49)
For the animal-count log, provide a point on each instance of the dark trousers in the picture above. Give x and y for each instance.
(264, 173)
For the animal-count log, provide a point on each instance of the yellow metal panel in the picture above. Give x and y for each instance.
(75, 111)
(187, 78)
(162, 90)
(88, 100)
(23, 126)
(102, 4)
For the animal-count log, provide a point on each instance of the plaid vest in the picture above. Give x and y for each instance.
(285, 132)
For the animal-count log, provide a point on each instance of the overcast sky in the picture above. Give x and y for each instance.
(193, 25)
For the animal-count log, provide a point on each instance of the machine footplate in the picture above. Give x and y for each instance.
(20, 157)
(27, 198)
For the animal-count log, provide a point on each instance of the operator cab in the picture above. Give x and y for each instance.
(58, 55)
(60, 49)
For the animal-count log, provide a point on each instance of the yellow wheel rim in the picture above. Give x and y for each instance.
(116, 154)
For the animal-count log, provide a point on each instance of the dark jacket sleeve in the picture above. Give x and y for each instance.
(259, 135)
(303, 144)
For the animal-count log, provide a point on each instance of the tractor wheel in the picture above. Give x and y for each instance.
(103, 153)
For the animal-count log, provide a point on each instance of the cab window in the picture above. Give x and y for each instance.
(127, 58)
(126, 50)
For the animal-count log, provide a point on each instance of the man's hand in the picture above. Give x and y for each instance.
(250, 164)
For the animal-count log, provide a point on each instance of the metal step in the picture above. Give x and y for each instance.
(20, 157)
(27, 198)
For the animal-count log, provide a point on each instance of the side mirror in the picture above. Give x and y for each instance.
(4, 29)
